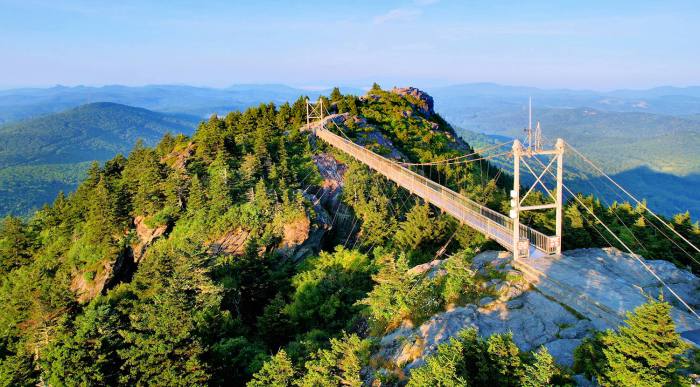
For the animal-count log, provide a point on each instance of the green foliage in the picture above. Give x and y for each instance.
(542, 371)
(399, 295)
(86, 355)
(338, 366)
(15, 244)
(468, 359)
(276, 372)
(211, 298)
(443, 369)
(389, 301)
(645, 351)
(326, 290)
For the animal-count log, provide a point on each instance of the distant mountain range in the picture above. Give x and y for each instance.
(648, 138)
(464, 100)
(20, 104)
(41, 156)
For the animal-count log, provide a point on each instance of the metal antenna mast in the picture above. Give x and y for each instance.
(521, 236)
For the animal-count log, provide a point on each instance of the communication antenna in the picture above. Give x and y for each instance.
(529, 124)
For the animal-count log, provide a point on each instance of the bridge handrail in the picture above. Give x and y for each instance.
(496, 225)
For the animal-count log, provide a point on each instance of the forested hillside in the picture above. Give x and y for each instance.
(251, 253)
(42, 156)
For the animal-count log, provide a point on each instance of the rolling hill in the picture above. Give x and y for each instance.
(17, 104)
(41, 156)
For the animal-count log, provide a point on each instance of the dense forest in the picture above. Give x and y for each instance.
(196, 262)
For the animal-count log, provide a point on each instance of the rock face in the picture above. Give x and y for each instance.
(607, 283)
(88, 284)
(537, 321)
(533, 319)
(232, 242)
(178, 159)
(304, 237)
(425, 104)
(146, 237)
(376, 136)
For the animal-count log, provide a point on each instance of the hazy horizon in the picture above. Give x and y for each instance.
(357, 86)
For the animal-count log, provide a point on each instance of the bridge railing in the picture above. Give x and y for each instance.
(494, 224)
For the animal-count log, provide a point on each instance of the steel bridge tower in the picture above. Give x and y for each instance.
(521, 243)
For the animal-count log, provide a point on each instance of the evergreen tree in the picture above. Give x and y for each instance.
(442, 369)
(197, 199)
(276, 372)
(541, 373)
(418, 228)
(336, 95)
(15, 244)
(388, 303)
(221, 180)
(645, 351)
(338, 366)
(88, 355)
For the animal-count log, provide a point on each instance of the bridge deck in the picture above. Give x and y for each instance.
(491, 223)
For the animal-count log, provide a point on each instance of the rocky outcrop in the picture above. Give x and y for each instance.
(533, 319)
(605, 284)
(377, 137)
(177, 159)
(424, 101)
(534, 315)
(304, 237)
(332, 172)
(146, 237)
(231, 242)
(90, 282)
(87, 284)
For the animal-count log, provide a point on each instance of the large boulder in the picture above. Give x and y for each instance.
(424, 102)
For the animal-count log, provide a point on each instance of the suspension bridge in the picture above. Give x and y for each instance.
(535, 253)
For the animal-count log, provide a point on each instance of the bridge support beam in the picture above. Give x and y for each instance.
(515, 200)
(520, 153)
(560, 177)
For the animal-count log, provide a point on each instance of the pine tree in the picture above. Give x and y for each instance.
(388, 302)
(645, 350)
(442, 369)
(197, 199)
(15, 242)
(338, 366)
(540, 373)
(418, 228)
(336, 95)
(276, 372)
(221, 180)
(505, 367)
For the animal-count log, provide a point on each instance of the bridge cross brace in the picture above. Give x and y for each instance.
(521, 243)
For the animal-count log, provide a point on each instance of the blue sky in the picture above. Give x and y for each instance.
(573, 44)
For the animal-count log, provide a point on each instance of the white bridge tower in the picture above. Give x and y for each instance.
(534, 149)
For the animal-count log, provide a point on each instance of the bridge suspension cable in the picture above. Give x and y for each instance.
(634, 255)
(649, 221)
(632, 196)
(456, 162)
(452, 160)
